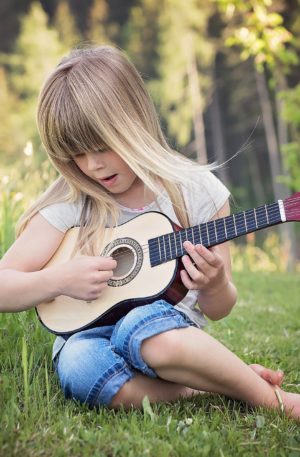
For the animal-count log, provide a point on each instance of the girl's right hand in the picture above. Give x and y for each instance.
(84, 277)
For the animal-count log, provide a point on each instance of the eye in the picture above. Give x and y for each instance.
(101, 148)
(78, 155)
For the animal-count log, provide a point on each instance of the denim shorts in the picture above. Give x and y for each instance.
(94, 364)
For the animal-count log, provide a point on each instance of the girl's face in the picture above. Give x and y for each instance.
(108, 169)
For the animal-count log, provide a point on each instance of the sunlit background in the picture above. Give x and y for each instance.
(224, 76)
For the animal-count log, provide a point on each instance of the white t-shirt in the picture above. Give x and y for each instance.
(204, 196)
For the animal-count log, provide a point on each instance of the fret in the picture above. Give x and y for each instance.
(203, 235)
(193, 237)
(212, 233)
(266, 209)
(175, 242)
(163, 238)
(216, 236)
(160, 259)
(234, 225)
(244, 212)
(178, 244)
(185, 234)
(230, 227)
(180, 239)
(261, 217)
(170, 247)
(200, 236)
(225, 228)
(207, 233)
(255, 219)
(241, 227)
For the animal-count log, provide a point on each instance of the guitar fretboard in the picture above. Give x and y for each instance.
(170, 246)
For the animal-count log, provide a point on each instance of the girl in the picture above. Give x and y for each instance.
(101, 132)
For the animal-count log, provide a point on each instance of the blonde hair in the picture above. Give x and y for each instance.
(95, 97)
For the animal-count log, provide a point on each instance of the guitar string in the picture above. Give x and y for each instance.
(272, 209)
(211, 231)
(145, 247)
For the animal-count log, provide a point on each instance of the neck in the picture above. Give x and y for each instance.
(170, 246)
(136, 196)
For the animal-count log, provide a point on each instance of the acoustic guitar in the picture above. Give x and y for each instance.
(148, 249)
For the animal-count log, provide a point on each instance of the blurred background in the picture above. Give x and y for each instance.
(224, 76)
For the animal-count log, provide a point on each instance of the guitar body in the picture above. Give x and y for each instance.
(142, 278)
(135, 282)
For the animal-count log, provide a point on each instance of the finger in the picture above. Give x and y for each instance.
(194, 259)
(191, 268)
(187, 282)
(105, 263)
(271, 376)
(211, 255)
(103, 276)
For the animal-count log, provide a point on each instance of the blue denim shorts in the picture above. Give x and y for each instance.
(94, 364)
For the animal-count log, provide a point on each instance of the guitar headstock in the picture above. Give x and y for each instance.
(292, 207)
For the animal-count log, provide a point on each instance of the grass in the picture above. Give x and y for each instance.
(37, 421)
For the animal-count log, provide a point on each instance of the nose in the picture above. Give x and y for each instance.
(94, 161)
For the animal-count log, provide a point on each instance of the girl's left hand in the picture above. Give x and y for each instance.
(204, 268)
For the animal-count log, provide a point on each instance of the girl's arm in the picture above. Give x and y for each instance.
(23, 282)
(209, 271)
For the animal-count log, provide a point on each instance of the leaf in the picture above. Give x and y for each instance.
(148, 409)
(260, 421)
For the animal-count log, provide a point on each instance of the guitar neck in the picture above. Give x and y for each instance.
(170, 246)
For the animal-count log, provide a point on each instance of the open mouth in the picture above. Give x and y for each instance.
(109, 179)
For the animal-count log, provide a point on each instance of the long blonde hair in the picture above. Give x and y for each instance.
(96, 97)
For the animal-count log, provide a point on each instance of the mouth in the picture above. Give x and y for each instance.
(109, 180)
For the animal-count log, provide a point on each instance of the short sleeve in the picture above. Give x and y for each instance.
(63, 215)
(205, 195)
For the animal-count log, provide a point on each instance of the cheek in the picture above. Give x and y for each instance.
(80, 162)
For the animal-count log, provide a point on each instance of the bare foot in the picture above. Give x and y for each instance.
(273, 377)
(291, 401)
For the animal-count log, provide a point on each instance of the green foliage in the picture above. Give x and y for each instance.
(272, 256)
(291, 151)
(182, 42)
(19, 188)
(65, 25)
(37, 52)
(261, 34)
(100, 29)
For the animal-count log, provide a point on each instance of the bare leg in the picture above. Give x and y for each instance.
(193, 358)
(158, 390)
(134, 391)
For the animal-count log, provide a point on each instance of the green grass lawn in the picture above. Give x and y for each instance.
(36, 420)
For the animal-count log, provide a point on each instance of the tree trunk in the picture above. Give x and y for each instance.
(217, 130)
(280, 191)
(196, 98)
(282, 128)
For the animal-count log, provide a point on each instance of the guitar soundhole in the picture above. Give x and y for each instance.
(129, 256)
(125, 258)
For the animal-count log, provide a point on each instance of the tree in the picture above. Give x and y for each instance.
(65, 25)
(185, 56)
(260, 34)
(37, 51)
(100, 29)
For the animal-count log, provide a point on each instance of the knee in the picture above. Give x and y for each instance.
(164, 349)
